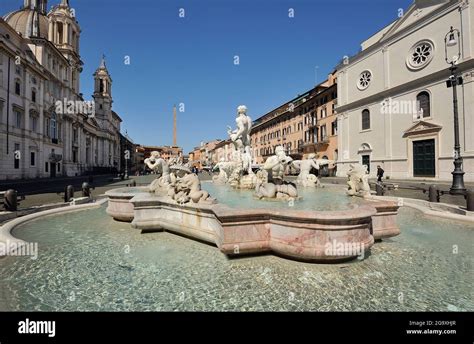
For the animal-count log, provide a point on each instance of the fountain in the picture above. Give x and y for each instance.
(177, 202)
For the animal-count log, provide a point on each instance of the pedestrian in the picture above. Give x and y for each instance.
(380, 173)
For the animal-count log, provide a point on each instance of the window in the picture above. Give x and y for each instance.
(17, 87)
(46, 166)
(18, 118)
(364, 80)
(33, 95)
(423, 102)
(33, 123)
(365, 119)
(420, 55)
(48, 128)
(334, 128)
(324, 136)
(32, 159)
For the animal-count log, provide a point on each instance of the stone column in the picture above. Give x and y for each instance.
(65, 33)
(50, 32)
(55, 32)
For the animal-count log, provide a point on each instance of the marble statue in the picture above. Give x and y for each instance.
(222, 177)
(161, 168)
(239, 173)
(357, 180)
(240, 137)
(275, 168)
(185, 186)
(305, 178)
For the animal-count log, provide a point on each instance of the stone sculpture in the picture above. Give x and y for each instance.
(185, 186)
(357, 180)
(161, 168)
(242, 175)
(275, 168)
(305, 178)
(222, 177)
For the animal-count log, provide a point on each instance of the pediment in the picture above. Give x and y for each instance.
(422, 127)
(419, 9)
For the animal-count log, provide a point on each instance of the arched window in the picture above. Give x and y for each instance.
(423, 102)
(365, 119)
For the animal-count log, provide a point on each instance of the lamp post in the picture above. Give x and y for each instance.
(452, 40)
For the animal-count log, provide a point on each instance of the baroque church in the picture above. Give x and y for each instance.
(40, 66)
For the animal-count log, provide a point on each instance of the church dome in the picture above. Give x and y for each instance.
(28, 22)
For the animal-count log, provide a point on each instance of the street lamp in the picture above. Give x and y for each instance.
(451, 40)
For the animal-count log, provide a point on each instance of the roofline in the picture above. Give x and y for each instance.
(292, 100)
(256, 125)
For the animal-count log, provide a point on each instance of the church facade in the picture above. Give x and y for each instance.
(47, 129)
(394, 107)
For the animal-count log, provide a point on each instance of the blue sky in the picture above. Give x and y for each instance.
(190, 60)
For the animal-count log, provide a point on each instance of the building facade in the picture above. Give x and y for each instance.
(304, 125)
(223, 151)
(203, 156)
(47, 129)
(394, 106)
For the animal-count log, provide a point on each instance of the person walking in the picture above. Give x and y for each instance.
(380, 173)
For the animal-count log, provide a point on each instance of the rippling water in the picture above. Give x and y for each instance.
(89, 262)
(320, 199)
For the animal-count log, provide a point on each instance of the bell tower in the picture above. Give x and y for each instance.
(103, 91)
(65, 32)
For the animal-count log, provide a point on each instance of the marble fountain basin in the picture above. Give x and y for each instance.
(119, 206)
(319, 236)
